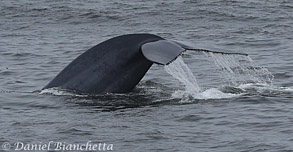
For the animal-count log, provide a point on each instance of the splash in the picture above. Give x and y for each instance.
(235, 69)
(179, 70)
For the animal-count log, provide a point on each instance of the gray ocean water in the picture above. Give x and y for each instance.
(39, 38)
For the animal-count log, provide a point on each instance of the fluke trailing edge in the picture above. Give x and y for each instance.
(118, 64)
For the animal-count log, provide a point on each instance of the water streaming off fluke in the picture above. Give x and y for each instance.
(236, 70)
(179, 70)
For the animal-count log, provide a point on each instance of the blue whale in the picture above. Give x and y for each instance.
(118, 64)
(115, 65)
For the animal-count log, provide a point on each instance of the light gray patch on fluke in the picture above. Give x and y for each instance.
(162, 51)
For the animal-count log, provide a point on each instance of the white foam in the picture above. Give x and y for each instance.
(59, 92)
(289, 89)
(215, 93)
(208, 94)
(259, 87)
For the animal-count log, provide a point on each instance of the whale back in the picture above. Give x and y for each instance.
(115, 65)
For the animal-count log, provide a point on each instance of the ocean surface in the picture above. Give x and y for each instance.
(39, 38)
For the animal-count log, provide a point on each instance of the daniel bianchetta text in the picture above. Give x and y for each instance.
(58, 146)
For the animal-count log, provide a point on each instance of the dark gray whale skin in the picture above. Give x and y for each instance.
(114, 66)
